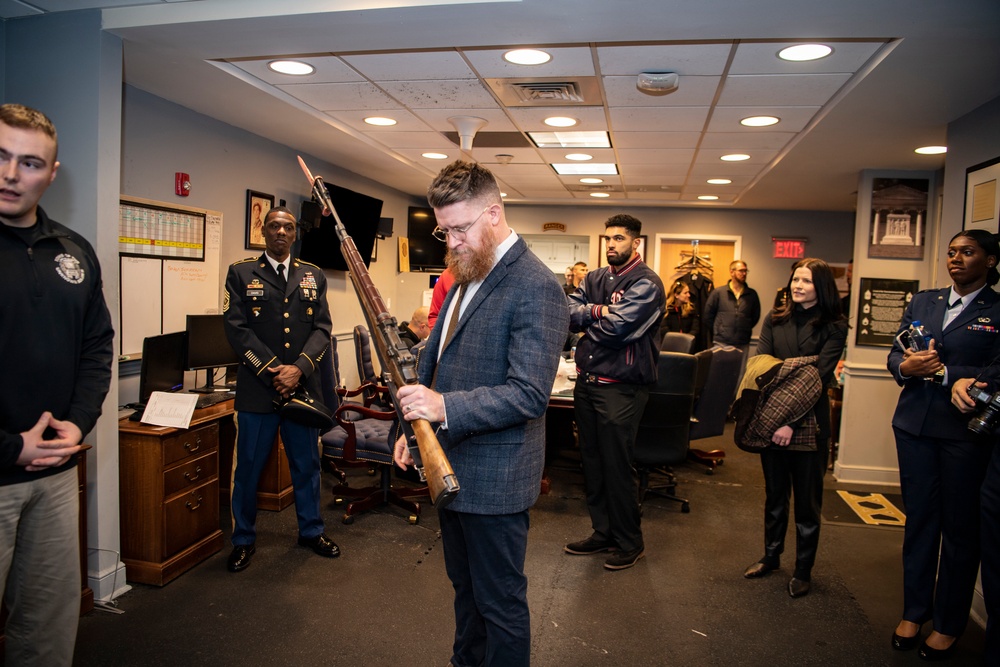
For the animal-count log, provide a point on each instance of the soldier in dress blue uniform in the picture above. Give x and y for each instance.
(278, 321)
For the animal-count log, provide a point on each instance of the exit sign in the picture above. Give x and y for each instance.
(789, 248)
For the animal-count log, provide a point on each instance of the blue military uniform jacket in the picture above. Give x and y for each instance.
(269, 327)
(969, 343)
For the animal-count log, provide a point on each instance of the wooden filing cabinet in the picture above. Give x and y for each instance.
(169, 490)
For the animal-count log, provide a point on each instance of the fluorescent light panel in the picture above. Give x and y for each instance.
(571, 139)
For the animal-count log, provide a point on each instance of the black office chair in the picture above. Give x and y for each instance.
(366, 369)
(675, 341)
(712, 407)
(662, 439)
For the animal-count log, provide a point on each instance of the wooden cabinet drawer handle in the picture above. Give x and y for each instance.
(195, 447)
(197, 475)
(193, 507)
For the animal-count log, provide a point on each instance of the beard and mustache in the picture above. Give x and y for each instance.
(472, 265)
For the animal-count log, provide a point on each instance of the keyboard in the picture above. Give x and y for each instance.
(208, 400)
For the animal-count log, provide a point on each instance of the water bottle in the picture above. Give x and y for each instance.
(920, 337)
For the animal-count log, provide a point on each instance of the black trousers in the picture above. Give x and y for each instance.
(991, 556)
(799, 473)
(940, 480)
(607, 420)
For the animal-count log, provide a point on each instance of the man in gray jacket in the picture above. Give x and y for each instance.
(732, 311)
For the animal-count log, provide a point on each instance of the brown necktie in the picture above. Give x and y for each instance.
(453, 322)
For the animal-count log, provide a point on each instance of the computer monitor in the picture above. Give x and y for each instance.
(208, 349)
(162, 367)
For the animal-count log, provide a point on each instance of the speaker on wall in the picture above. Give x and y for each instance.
(384, 228)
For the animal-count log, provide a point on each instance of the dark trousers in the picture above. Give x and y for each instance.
(799, 473)
(991, 556)
(484, 558)
(607, 419)
(257, 432)
(940, 480)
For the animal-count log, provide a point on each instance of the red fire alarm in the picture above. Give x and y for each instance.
(182, 184)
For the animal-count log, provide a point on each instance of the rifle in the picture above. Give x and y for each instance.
(399, 366)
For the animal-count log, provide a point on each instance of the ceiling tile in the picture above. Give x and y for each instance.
(340, 96)
(520, 155)
(329, 69)
(411, 66)
(444, 94)
(656, 174)
(559, 154)
(662, 156)
(655, 139)
(655, 196)
(793, 119)
(405, 121)
(762, 58)
(532, 119)
(621, 91)
(573, 61)
(709, 156)
(781, 89)
(747, 141)
(423, 140)
(496, 119)
(685, 59)
(677, 119)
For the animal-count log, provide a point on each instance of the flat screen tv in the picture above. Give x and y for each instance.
(318, 237)
(162, 367)
(208, 349)
(426, 252)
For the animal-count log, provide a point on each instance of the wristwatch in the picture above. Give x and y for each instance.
(938, 377)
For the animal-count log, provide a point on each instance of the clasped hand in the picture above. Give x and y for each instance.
(286, 379)
(39, 454)
(921, 364)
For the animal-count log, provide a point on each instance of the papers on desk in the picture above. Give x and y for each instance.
(565, 377)
(169, 409)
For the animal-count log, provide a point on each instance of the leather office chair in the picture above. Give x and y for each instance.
(366, 369)
(675, 341)
(712, 407)
(363, 435)
(662, 439)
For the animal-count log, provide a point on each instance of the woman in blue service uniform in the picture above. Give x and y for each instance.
(809, 323)
(941, 466)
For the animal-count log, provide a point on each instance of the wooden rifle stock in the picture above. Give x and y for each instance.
(399, 366)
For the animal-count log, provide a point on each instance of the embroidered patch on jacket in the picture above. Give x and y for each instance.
(69, 269)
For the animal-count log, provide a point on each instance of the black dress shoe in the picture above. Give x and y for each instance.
(797, 587)
(901, 643)
(758, 570)
(239, 559)
(931, 654)
(321, 544)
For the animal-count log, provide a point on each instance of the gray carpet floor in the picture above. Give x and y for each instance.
(387, 601)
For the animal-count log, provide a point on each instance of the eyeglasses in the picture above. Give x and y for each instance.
(442, 234)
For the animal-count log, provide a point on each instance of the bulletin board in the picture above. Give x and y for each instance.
(157, 293)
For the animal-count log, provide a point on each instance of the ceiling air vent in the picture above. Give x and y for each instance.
(550, 92)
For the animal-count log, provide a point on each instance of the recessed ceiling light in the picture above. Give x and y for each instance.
(579, 157)
(804, 52)
(931, 150)
(527, 57)
(571, 139)
(592, 181)
(760, 121)
(599, 194)
(718, 181)
(434, 156)
(381, 121)
(735, 157)
(292, 67)
(582, 169)
(707, 197)
(560, 121)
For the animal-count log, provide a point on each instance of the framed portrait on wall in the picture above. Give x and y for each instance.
(258, 204)
(602, 257)
(982, 206)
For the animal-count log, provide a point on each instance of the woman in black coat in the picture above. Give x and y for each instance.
(810, 323)
(941, 466)
(681, 315)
